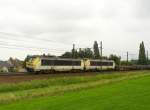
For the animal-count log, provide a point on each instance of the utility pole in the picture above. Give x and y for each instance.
(73, 55)
(101, 53)
(127, 57)
(147, 55)
(73, 51)
(101, 49)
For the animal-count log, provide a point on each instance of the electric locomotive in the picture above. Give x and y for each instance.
(47, 65)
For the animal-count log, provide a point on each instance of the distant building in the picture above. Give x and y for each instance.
(5, 66)
(4, 69)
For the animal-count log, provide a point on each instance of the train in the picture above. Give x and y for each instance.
(50, 65)
(132, 67)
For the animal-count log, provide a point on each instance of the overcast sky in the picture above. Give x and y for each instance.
(52, 26)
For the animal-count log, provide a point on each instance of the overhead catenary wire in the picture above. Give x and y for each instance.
(20, 47)
(49, 49)
(31, 38)
(34, 38)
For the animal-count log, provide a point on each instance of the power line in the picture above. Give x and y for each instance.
(15, 48)
(47, 48)
(33, 38)
(10, 46)
(7, 43)
(45, 40)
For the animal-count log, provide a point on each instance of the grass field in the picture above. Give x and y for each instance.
(116, 91)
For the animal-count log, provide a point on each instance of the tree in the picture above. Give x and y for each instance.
(66, 55)
(76, 54)
(115, 58)
(88, 53)
(142, 56)
(81, 53)
(85, 53)
(96, 50)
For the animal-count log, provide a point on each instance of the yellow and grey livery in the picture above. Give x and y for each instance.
(45, 64)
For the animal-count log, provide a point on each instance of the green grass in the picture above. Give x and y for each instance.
(35, 84)
(114, 91)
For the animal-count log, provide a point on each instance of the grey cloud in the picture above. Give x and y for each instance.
(116, 22)
(143, 8)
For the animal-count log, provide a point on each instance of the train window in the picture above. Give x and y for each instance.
(110, 63)
(47, 62)
(99, 63)
(93, 63)
(67, 63)
(62, 62)
(76, 63)
(107, 63)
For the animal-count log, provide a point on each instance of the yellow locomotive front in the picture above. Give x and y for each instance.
(32, 64)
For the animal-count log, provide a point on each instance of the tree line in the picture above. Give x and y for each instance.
(94, 53)
(83, 53)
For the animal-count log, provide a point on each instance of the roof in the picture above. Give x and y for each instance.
(5, 64)
(57, 58)
(101, 60)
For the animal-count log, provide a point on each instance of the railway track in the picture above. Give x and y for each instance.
(55, 74)
(13, 74)
(50, 74)
(23, 77)
(119, 68)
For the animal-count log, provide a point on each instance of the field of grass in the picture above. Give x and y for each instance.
(116, 91)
